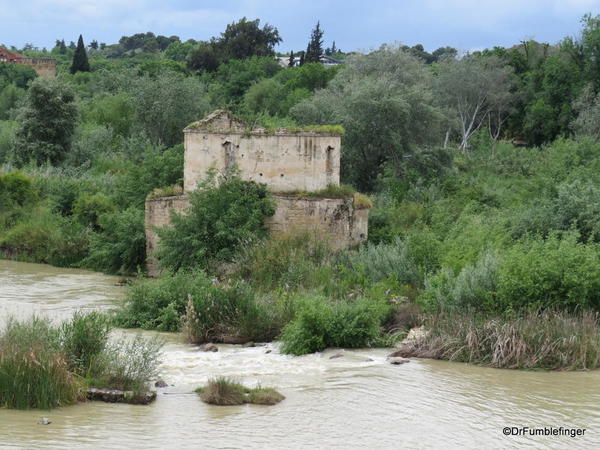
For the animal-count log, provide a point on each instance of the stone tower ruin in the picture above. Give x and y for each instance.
(291, 164)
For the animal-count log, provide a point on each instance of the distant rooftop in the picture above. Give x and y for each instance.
(8, 56)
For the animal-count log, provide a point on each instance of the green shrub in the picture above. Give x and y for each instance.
(219, 314)
(555, 273)
(220, 220)
(320, 324)
(209, 312)
(88, 209)
(381, 261)
(16, 188)
(121, 245)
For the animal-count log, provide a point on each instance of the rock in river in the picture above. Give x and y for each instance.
(208, 348)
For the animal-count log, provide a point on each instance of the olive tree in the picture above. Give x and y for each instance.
(384, 101)
(477, 91)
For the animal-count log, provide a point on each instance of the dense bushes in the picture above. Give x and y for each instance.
(206, 311)
(221, 219)
(320, 324)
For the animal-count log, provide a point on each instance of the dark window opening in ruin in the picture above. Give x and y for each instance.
(329, 164)
(281, 175)
(229, 154)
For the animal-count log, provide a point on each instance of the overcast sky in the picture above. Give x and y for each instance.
(353, 24)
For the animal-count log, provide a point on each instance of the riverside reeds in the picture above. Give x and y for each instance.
(536, 340)
(226, 392)
(45, 366)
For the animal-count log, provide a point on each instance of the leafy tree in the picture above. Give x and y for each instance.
(166, 104)
(314, 49)
(9, 98)
(94, 45)
(178, 51)
(221, 219)
(203, 58)
(245, 38)
(240, 40)
(385, 102)
(80, 59)
(473, 88)
(15, 74)
(47, 122)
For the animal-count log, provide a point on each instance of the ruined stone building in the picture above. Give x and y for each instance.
(44, 67)
(290, 163)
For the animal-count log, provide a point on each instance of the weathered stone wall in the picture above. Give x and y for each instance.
(283, 161)
(336, 219)
(158, 214)
(44, 67)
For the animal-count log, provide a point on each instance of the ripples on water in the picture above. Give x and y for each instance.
(347, 402)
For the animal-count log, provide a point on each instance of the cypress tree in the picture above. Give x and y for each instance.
(315, 46)
(291, 59)
(301, 58)
(80, 59)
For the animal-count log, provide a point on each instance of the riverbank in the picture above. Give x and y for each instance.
(355, 401)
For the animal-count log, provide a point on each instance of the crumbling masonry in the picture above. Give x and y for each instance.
(289, 163)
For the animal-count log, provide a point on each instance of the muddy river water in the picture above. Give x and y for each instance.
(358, 400)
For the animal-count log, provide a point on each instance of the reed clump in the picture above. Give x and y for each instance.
(44, 365)
(226, 392)
(548, 340)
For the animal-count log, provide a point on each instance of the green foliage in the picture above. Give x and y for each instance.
(225, 392)
(33, 372)
(47, 123)
(83, 338)
(80, 59)
(114, 111)
(385, 103)
(10, 97)
(555, 273)
(87, 209)
(240, 40)
(16, 74)
(208, 312)
(320, 324)
(121, 247)
(42, 365)
(221, 219)
(16, 188)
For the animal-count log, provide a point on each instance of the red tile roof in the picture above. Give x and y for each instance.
(5, 55)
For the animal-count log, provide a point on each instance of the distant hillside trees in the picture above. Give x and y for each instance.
(240, 40)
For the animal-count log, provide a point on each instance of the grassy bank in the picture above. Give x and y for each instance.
(43, 365)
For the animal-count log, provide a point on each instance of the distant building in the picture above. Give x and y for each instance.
(284, 61)
(44, 67)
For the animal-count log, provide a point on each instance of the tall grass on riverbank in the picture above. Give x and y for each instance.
(34, 372)
(45, 366)
(536, 340)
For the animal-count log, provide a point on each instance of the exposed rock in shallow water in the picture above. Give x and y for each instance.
(398, 361)
(160, 384)
(249, 344)
(336, 356)
(208, 348)
(117, 396)
(44, 421)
